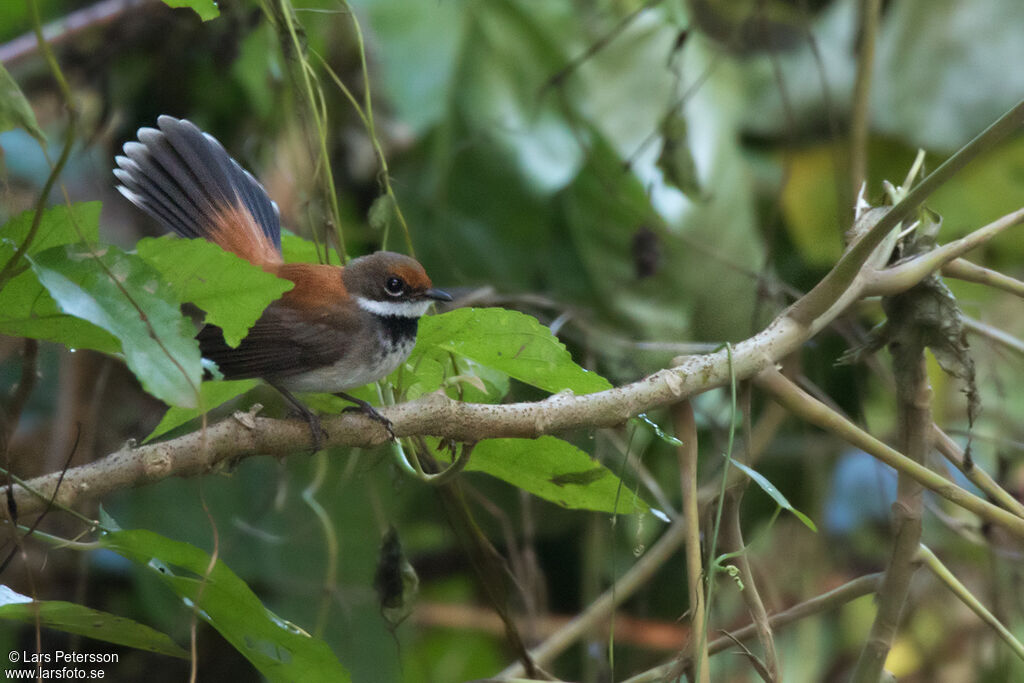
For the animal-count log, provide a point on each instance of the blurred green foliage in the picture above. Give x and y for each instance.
(527, 147)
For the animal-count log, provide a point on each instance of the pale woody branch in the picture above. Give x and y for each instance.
(246, 435)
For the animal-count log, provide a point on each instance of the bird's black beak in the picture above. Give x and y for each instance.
(437, 295)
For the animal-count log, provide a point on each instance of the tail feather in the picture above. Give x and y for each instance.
(185, 179)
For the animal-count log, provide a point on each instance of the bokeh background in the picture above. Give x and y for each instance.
(646, 178)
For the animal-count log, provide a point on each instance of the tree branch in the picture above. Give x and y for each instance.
(245, 435)
(807, 408)
(902, 277)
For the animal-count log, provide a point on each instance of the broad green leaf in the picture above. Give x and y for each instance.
(511, 342)
(15, 111)
(297, 249)
(428, 369)
(59, 225)
(84, 621)
(123, 295)
(232, 291)
(211, 395)
(556, 471)
(28, 310)
(775, 494)
(206, 9)
(278, 649)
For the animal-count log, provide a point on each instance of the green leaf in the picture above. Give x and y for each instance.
(123, 295)
(28, 310)
(211, 395)
(556, 471)
(776, 495)
(15, 111)
(511, 342)
(278, 649)
(297, 249)
(206, 9)
(60, 224)
(232, 291)
(84, 621)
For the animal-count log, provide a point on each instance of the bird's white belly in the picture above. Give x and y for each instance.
(348, 373)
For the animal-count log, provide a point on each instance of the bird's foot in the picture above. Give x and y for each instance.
(370, 412)
(317, 433)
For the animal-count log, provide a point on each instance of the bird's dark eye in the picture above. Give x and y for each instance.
(394, 286)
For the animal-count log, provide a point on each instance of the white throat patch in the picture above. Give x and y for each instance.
(394, 309)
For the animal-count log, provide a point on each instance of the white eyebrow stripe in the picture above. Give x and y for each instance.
(394, 309)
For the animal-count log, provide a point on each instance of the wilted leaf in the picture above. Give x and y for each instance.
(675, 160)
(382, 213)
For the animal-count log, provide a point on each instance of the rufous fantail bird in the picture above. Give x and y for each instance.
(336, 329)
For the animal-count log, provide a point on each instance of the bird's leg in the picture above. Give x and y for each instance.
(369, 411)
(316, 430)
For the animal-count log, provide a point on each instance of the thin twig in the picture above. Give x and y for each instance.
(599, 610)
(962, 269)
(733, 542)
(861, 105)
(905, 275)
(942, 573)
(994, 334)
(686, 431)
(67, 27)
(803, 406)
(833, 599)
(575, 63)
(945, 445)
(827, 293)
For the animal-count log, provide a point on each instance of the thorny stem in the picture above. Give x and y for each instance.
(827, 292)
